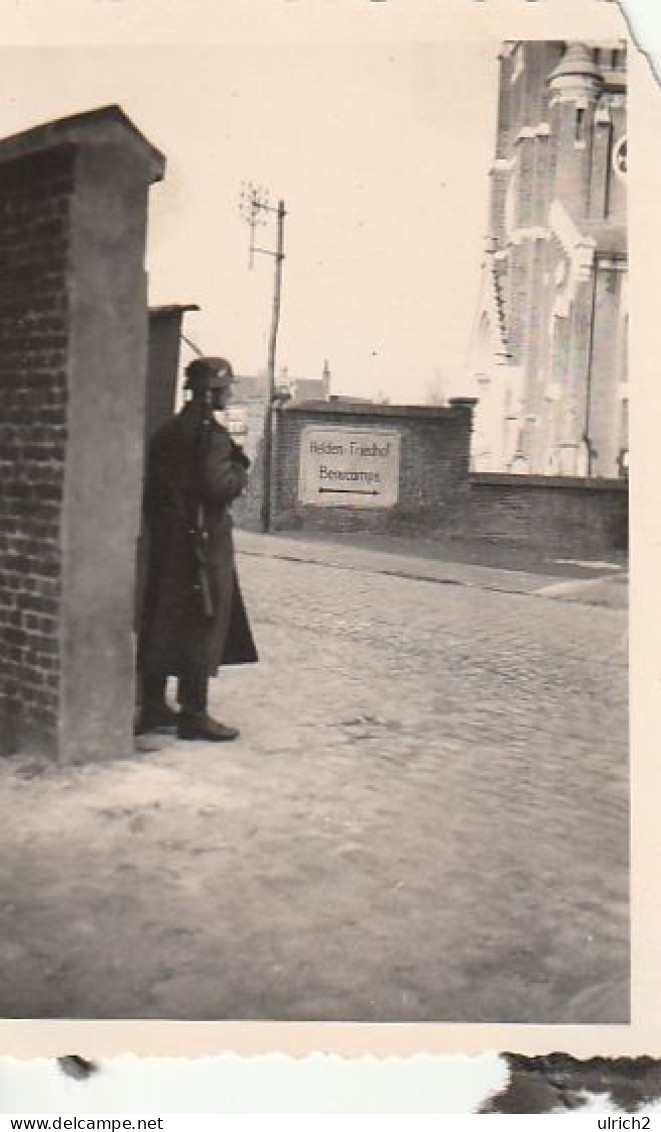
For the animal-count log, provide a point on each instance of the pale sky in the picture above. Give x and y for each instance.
(381, 154)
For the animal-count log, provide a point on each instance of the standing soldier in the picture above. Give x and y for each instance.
(193, 616)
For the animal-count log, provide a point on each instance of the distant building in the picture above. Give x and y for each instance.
(549, 353)
(310, 388)
(244, 416)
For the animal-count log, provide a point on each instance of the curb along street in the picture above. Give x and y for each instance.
(609, 589)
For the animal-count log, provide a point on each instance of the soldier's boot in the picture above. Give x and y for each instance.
(202, 726)
(156, 717)
(155, 713)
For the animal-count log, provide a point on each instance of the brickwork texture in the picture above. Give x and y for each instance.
(556, 513)
(433, 469)
(35, 193)
(73, 360)
(437, 493)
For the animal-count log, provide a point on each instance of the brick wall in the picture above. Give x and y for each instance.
(437, 494)
(35, 192)
(550, 512)
(73, 357)
(433, 468)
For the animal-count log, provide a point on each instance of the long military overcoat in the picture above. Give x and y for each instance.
(192, 461)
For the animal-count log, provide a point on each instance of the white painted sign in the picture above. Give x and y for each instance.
(348, 467)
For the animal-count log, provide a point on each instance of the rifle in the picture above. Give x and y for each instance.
(200, 538)
(199, 534)
(198, 529)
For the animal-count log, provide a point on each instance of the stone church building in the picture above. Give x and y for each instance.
(549, 353)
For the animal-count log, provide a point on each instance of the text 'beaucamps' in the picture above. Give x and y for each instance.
(349, 476)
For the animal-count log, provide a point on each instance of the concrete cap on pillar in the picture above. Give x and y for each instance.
(89, 127)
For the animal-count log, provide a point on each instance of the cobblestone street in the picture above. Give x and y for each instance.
(425, 818)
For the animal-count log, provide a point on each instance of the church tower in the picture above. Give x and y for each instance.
(549, 351)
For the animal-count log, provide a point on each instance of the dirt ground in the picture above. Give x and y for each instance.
(425, 818)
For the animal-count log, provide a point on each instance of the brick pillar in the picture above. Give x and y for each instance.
(73, 355)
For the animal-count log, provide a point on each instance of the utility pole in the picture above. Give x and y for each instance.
(587, 426)
(275, 321)
(254, 203)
